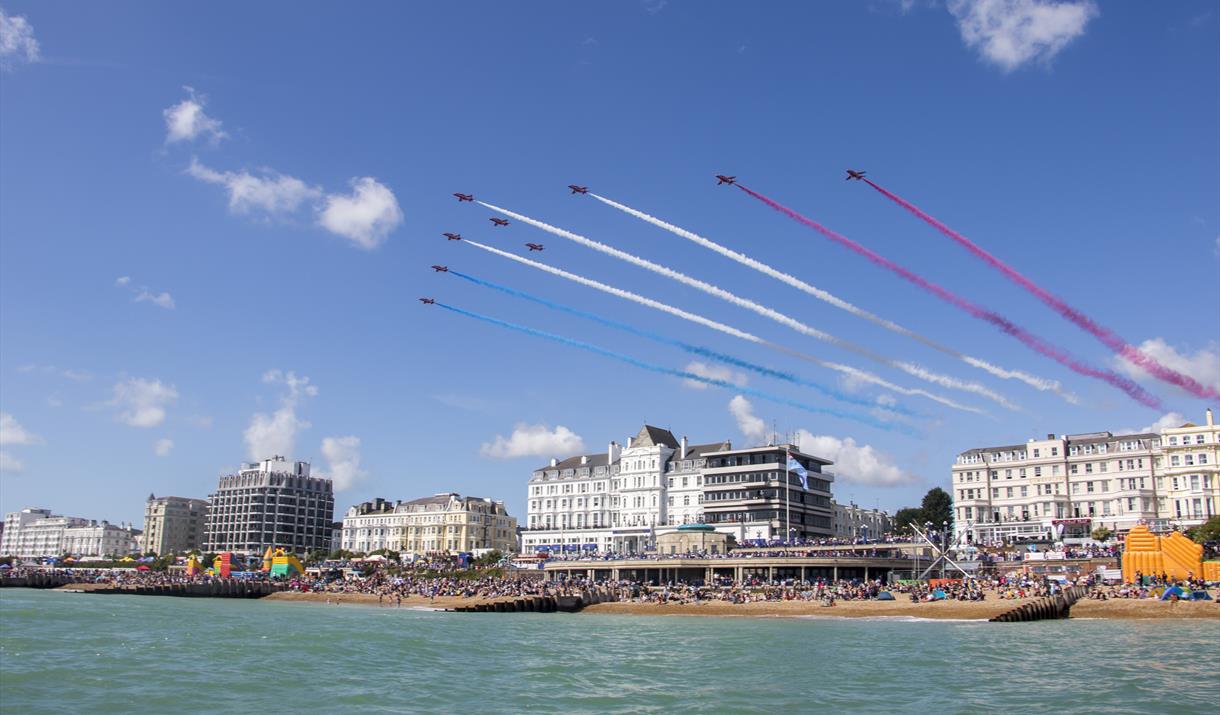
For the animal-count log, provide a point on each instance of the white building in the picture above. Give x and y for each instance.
(35, 533)
(445, 523)
(620, 500)
(852, 521)
(1067, 486)
(1189, 473)
(101, 539)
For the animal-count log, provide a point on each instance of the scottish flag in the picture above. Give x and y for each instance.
(795, 466)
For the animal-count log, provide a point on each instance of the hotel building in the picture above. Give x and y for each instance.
(1066, 486)
(855, 522)
(272, 503)
(36, 533)
(620, 500)
(100, 540)
(173, 525)
(445, 523)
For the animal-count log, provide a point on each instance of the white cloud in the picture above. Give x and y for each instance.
(534, 441)
(750, 425)
(1203, 365)
(343, 461)
(122, 281)
(275, 433)
(163, 447)
(856, 463)
(273, 193)
(69, 373)
(366, 216)
(712, 372)
(9, 463)
(186, 120)
(652, 7)
(17, 41)
(141, 402)
(11, 431)
(161, 300)
(1010, 33)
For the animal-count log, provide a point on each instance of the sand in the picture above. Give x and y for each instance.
(961, 610)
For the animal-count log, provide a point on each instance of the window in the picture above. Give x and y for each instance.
(1037, 453)
(1054, 451)
(1072, 469)
(1037, 471)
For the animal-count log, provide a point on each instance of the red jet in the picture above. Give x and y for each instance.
(853, 174)
(452, 236)
(578, 189)
(534, 246)
(427, 301)
(464, 197)
(440, 269)
(499, 221)
(722, 179)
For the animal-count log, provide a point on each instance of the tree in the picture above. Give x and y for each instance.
(491, 558)
(1205, 532)
(937, 507)
(1101, 533)
(905, 517)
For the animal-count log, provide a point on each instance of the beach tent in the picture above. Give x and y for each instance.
(885, 596)
(938, 595)
(1171, 592)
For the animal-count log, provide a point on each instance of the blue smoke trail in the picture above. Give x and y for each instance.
(693, 349)
(865, 419)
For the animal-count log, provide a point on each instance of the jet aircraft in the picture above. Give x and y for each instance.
(534, 246)
(499, 221)
(464, 197)
(722, 179)
(853, 174)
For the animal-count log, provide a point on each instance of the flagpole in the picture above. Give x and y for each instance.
(787, 500)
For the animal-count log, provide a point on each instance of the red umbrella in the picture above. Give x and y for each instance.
(141, 568)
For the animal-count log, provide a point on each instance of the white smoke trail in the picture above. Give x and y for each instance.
(855, 373)
(910, 369)
(1031, 380)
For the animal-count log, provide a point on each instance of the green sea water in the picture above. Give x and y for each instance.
(83, 653)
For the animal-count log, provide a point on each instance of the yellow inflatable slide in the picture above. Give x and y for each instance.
(1174, 555)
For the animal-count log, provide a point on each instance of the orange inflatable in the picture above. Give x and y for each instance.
(1174, 555)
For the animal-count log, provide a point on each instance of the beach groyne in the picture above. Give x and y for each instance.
(230, 588)
(543, 604)
(1046, 608)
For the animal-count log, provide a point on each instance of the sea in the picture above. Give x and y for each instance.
(92, 653)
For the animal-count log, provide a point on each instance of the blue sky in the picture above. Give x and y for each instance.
(270, 299)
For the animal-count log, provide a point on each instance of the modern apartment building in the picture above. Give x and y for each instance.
(620, 500)
(445, 523)
(173, 525)
(272, 503)
(1066, 486)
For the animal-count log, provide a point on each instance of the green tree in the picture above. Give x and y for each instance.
(1102, 534)
(1205, 532)
(905, 517)
(937, 507)
(491, 558)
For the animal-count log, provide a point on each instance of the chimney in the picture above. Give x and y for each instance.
(1050, 436)
(683, 452)
(554, 462)
(612, 453)
(629, 442)
(1210, 420)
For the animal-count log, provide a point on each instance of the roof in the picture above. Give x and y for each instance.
(695, 451)
(650, 436)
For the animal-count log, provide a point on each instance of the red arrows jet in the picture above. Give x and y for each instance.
(534, 246)
(440, 269)
(853, 174)
(499, 221)
(427, 301)
(722, 179)
(578, 189)
(452, 236)
(464, 197)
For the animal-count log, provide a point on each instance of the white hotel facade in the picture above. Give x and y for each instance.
(1066, 486)
(620, 500)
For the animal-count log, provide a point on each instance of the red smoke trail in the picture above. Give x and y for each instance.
(1128, 351)
(1033, 341)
